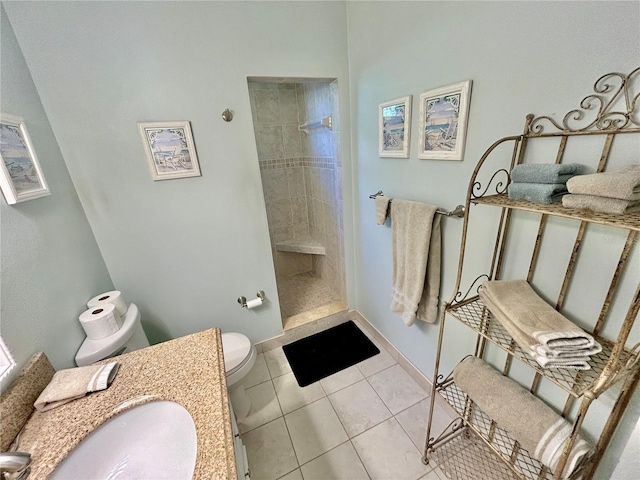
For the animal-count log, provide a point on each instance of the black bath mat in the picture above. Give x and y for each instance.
(325, 353)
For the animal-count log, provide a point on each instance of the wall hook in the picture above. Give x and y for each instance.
(227, 116)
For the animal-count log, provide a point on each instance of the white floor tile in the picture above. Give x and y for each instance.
(277, 362)
(258, 374)
(414, 421)
(359, 408)
(292, 396)
(297, 475)
(342, 379)
(376, 363)
(270, 451)
(315, 429)
(432, 475)
(341, 463)
(397, 389)
(264, 407)
(387, 452)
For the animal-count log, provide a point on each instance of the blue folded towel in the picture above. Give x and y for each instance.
(537, 192)
(545, 172)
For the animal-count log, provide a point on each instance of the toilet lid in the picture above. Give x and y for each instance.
(236, 348)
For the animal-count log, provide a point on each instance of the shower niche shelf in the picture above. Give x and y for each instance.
(302, 245)
(474, 446)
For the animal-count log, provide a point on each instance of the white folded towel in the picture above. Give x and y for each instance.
(73, 383)
(532, 323)
(416, 252)
(536, 426)
(623, 184)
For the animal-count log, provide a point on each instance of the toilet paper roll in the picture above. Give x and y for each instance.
(256, 302)
(115, 297)
(101, 321)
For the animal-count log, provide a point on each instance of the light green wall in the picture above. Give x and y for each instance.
(523, 57)
(183, 249)
(50, 261)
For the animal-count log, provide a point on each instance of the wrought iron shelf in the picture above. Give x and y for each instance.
(629, 221)
(467, 456)
(486, 451)
(475, 315)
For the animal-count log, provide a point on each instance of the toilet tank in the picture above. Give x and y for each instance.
(130, 337)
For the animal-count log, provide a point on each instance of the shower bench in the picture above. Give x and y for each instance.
(302, 245)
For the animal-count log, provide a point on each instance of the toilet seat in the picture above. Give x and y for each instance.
(237, 350)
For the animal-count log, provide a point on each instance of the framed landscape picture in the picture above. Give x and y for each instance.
(394, 124)
(443, 122)
(21, 177)
(170, 150)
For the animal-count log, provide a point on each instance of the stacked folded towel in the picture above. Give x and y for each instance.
(541, 182)
(530, 421)
(73, 383)
(607, 192)
(542, 332)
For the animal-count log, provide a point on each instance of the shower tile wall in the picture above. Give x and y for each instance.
(301, 174)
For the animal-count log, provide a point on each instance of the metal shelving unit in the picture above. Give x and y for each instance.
(474, 446)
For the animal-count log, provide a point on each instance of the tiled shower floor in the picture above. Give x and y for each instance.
(305, 298)
(365, 422)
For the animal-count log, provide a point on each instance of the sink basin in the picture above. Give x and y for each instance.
(155, 440)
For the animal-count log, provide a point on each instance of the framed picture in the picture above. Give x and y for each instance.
(443, 122)
(21, 177)
(394, 126)
(170, 149)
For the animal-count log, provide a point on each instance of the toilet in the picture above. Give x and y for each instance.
(239, 355)
(129, 337)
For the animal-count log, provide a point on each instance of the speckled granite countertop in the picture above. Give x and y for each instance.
(188, 370)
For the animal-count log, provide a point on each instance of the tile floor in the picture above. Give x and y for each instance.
(365, 422)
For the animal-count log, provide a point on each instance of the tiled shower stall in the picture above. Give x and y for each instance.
(301, 178)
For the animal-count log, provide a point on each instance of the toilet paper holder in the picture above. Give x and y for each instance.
(243, 300)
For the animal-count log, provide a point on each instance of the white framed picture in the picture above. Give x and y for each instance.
(170, 150)
(21, 177)
(394, 128)
(443, 122)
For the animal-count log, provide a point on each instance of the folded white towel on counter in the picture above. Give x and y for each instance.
(530, 421)
(416, 255)
(382, 208)
(532, 322)
(73, 383)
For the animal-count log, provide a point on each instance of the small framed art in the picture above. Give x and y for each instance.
(394, 124)
(443, 122)
(21, 177)
(170, 150)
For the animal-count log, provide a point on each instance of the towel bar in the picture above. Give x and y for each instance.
(456, 212)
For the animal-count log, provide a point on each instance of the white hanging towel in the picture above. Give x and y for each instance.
(416, 251)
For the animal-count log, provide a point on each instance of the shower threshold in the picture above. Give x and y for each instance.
(313, 315)
(305, 298)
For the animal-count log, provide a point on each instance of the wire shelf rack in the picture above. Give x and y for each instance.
(475, 315)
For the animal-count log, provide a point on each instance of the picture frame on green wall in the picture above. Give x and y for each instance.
(170, 150)
(394, 128)
(21, 177)
(443, 122)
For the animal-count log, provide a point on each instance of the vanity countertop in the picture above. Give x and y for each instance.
(188, 370)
